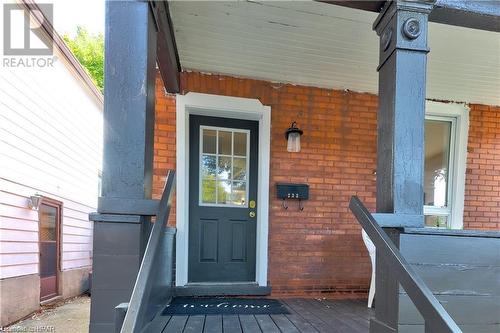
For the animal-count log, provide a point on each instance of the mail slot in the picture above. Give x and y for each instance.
(292, 191)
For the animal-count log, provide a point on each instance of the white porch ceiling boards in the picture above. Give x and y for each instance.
(323, 45)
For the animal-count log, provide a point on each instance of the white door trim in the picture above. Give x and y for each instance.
(228, 107)
(459, 112)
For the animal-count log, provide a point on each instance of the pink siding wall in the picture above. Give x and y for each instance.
(19, 232)
(51, 144)
(18, 236)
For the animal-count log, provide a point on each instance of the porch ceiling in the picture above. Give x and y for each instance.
(324, 45)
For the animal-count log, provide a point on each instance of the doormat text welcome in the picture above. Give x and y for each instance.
(207, 306)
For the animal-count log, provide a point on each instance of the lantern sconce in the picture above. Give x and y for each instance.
(292, 136)
(34, 201)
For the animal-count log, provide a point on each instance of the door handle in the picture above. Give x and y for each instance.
(251, 214)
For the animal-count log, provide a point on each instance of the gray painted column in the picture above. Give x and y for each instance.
(402, 27)
(129, 96)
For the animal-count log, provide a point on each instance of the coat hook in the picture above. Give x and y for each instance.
(283, 204)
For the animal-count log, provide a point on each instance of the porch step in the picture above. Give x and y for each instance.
(225, 289)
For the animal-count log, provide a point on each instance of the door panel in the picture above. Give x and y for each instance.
(223, 174)
(208, 240)
(238, 241)
(49, 248)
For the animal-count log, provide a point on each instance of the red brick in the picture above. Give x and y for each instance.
(320, 251)
(481, 189)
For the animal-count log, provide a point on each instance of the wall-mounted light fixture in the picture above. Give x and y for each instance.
(34, 201)
(292, 136)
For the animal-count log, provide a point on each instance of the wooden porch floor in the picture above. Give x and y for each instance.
(306, 316)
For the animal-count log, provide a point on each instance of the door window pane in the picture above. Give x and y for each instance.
(240, 144)
(437, 161)
(208, 192)
(209, 141)
(239, 193)
(225, 140)
(48, 220)
(49, 216)
(239, 168)
(208, 167)
(224, 171)
(223, 192)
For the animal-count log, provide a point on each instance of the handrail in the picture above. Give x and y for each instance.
(139, 301)
(435, 316)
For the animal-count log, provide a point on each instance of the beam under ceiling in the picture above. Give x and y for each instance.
(167, 56)
(483, 15)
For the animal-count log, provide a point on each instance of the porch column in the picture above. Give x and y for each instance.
(130, 54)
(402, 28)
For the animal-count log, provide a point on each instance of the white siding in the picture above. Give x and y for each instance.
(50, 144)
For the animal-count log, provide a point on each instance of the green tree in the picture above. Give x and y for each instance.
(89, 50)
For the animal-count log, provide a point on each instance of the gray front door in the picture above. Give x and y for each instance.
(222, 199)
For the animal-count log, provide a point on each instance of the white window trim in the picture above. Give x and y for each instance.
(227, 107)
(460, 112)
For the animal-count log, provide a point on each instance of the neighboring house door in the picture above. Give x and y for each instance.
(223, 197)
(50, 216)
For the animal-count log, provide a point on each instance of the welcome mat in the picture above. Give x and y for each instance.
(214, 305)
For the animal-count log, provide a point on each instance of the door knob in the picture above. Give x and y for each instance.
(252, 214)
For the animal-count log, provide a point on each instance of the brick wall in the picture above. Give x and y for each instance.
(164, 141)
(482, 182)
(319, 250)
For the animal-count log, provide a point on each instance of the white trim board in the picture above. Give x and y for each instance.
(227, 107)
(460, 112)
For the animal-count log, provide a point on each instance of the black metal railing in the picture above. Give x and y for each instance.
(152, 289)
(435, 316)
